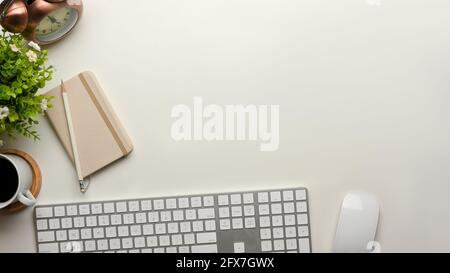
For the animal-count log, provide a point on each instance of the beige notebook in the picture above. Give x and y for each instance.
(100, 136)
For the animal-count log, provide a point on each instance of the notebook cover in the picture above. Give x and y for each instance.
(100, 136)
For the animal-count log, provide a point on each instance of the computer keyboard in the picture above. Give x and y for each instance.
(258, 221)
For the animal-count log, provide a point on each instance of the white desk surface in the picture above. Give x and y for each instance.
(363, 91)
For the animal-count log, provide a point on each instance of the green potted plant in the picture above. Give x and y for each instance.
(23, 71)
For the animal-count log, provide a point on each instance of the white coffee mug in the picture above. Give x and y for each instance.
(25, 179)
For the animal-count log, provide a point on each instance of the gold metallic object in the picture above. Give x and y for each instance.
(21, 16)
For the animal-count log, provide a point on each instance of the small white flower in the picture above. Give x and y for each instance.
(44, 104)
(14, 48)
(32, 57)
(34, 45)
(4, 112)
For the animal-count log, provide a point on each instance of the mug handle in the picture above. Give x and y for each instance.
(26, 198)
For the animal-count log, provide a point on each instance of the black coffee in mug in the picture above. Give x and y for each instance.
(9, 180)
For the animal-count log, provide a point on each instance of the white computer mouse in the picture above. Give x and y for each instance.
(358, 221)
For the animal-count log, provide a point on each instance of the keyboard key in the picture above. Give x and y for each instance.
(250, 222)
(127, 243)
(265, 233)
(90, 246)
(239, 247)
(224, 212)
(166, 216)
(223, 200)
(97, 208)
(263, 197)
(264, 221)
(153, 217)
(289, 220)
(128, 219)
(236, 199)
(248, 198)
(66, 223)
(278, 233)
(225, 224)
(300, 194)
(44, 212)
(301, 207)
(84, 209)
(197, 226)
(152, 241)
(49, 248)
(41, 224)
(278, 245)
(291, 244)
(123, 231)
(276, 208)
(116, 219)
(264, 209)
(303, 245)
(61, 235)
(46, 236)
(208, 201)
(183, 203)
(91, 221)
(171, 250)
(146, 205)
(98, 233)
(177, 239)
(210, 225)
(133, 206)
(74, 234)
(266, 246)
(189, 239)
(191, 214)
(60, 211)
(72, 210)
(289, 207)
(164, 240)
(288, 195)
(148, 229)
(275, 196)
(196, 202)
(204, 249)
(102, 244)
(114, 244)
(237, 223)
(135, 230)
(78, 222)
(183, 249)
(236, 211)
(158, 204)
(111, 232)
(147, 250)
(185, 227)
(121, 207)
(290, 232)
(178, 215)
(86, 233)
(103, 220)
(160, 228)
(172, 228)
(206, 213)
(249, 210)
(108, 208)
(171, 203)
(54, 223)
(158, 250)
(277, 221)
(303, 231)
(207, 237)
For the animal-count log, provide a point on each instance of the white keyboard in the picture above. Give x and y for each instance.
(260, 221)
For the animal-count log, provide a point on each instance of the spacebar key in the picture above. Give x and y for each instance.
(204, 249)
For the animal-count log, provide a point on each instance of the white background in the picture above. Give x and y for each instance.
(363, 93)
